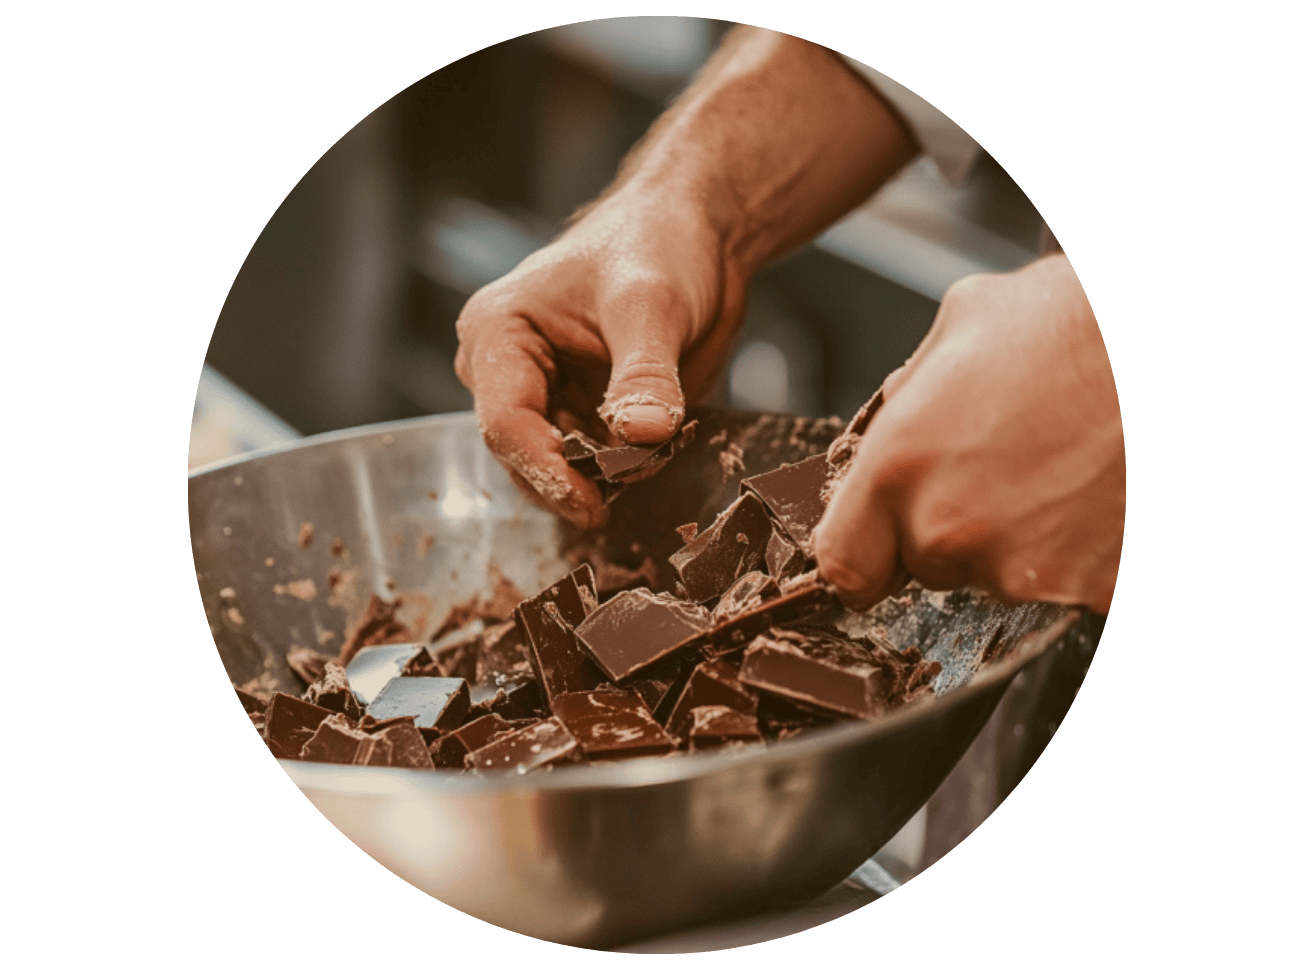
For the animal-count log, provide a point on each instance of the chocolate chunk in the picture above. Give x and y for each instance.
(687, 532)
(450, 750)
(547, 622)
(801, 598)
(637, 628)
(610, 724)
(540, 745)
(712, 726)
(784, 559)
(290, 723)
(332, 692)
(394, 743)
(614, 467)
(747, 592)
(372, 667)
(793, 493)
(433, 702)
(713, 683)
(818, 669)
(731, 546)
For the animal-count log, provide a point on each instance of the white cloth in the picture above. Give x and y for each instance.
(951, 149)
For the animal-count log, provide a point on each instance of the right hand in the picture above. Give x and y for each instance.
(605, 330)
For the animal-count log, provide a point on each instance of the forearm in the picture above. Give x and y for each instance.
(774, 140)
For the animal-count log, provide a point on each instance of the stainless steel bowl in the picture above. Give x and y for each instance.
(590, 855)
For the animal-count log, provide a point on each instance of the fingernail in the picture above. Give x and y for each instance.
(644, 421)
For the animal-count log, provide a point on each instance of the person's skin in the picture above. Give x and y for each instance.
(997, 458)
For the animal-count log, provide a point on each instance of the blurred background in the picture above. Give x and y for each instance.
(343, 312)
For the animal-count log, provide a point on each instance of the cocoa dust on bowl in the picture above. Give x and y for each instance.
(523, 717)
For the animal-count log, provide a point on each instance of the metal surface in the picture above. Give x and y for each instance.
(589, 855)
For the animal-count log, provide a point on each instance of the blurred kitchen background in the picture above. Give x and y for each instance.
(343, 313)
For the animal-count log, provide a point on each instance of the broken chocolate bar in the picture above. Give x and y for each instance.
(395, 743)
(819, 670)
(450, 750)
(731, 546)
(433, 702)
(801, 598)
(540, 745)
(784, 559)
(332, 692)
(610, 724)
(290, 723)
(713, 726)
(547, 622)
(635, 629)
(747, 592)
(612, 468)
(713, 683)
(372, 667)
(794, 495)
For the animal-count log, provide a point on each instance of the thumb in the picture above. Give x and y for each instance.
(644, 403)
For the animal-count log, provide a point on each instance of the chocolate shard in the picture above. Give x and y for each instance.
(614, 467)
(784, 559)
(745, 593)
(547, 622)
(715, 725)
(731, 546)
(372, 667)
(779, 718)
(801, 598)
(336, 741)
(307, 664)
(379, 625)
(611, 724)
(637, 628)
(794, 494)
(820, 670)
(712, 683)
(433, 702)
(290, 723)
(394, 743)
(541, 745)
(450, 750)
(332, 692)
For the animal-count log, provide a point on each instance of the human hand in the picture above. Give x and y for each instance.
(605, 330)
(997, 458)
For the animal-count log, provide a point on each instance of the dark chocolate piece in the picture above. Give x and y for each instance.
(784, 559)
(517, 698)
(434, 702)
(332, 692)
(394, 743)
(372, 667)
(612, 468)
(794, 495)
(540, 745)
(637, 628)
(611, 724)
(801, 598)
(290, 723)
(450, 750)
(820, 670)
(779, 718)
(307, 664)
(713, 682)
(547, 622)
(712, 726)
(747, 592)
(379, 625)
(731, 546)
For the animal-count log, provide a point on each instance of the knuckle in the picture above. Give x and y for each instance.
(837, 562)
